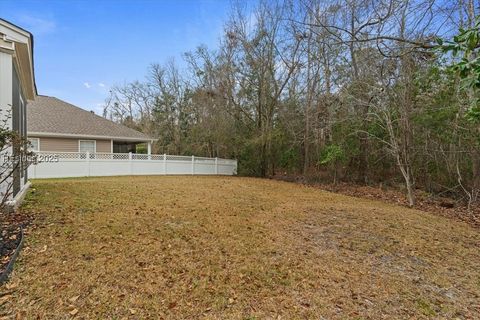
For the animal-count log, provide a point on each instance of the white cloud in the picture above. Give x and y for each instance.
(101, 85)
(87, 85)
(37, 25)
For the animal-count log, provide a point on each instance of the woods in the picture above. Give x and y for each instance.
(364, 91)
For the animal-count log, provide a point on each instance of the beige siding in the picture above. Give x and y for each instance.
(69, 145)
(58, 144)
(104, 146)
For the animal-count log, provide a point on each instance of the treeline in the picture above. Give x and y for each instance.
(356, 90)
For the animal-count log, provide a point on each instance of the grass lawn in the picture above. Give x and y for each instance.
(235, 248)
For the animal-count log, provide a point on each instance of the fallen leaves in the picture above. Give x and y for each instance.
(10, 230)
(11, 286)
(5, 298)
(236, 248)
(437, 205)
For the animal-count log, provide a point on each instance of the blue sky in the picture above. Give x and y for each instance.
(84, 47)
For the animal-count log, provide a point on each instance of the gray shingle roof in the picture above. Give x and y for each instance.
(51, 115)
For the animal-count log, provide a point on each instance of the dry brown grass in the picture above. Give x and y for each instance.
(236, 248)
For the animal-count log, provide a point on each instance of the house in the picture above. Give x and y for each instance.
(72, 142)
(17, 84)
(58, 126)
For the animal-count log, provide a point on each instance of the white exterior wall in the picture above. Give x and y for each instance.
(75, 164)
(6, 73)
(15, 58)
(6, 88)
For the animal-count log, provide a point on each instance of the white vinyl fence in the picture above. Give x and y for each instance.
(84, 164)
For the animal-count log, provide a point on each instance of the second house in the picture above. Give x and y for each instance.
(54, 125)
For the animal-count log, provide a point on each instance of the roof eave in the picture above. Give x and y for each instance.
(23, 54)
(74, 135)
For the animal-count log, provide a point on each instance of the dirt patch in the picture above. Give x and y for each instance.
(236, 248)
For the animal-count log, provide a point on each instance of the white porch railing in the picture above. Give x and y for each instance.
(84, 164)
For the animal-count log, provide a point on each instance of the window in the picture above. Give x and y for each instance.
(87, 145)
(34, 144)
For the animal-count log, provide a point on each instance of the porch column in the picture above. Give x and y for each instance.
(149, 150)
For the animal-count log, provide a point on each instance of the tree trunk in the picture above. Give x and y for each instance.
(410, 192)
(405, 169)
(306, 144)
(475, 177)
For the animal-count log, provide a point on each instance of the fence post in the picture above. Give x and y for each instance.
(193, 165)
(165, 163)
(130, 162)
(87, 159)
(216, 165)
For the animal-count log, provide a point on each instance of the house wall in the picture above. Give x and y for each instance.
(19, 125)
(12, 117)
(16, 85)
(70, 145)
(6, 89)
(104, 146)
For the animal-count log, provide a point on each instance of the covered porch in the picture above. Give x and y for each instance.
(132, 146)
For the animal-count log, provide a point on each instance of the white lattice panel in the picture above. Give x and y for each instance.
(179, 158)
